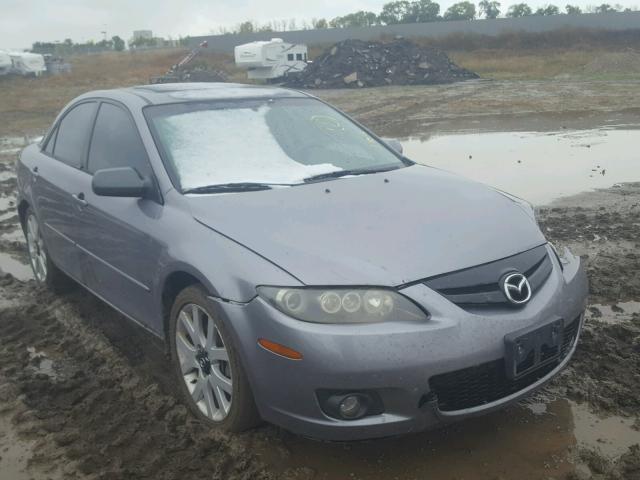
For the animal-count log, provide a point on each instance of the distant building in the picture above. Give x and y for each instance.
(142, 34)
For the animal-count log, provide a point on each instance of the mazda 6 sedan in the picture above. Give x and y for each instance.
(299, 268)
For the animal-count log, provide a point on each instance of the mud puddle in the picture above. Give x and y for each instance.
(522, 446)
(7, 202)
(14, 452)
(12, 145)
(17, 268)
(526, 443)
(617, 313)
(539, 167)
(611, 435)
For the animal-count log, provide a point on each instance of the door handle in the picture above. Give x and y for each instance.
(80, 199)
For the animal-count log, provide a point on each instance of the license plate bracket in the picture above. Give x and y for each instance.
(532, 347)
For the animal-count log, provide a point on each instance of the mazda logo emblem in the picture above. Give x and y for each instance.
(516, 288)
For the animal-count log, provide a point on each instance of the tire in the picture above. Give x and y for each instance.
(210, 376)
(44, 270)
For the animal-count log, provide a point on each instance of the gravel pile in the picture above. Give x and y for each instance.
(356, 63)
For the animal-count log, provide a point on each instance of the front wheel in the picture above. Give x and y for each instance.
(211, 378)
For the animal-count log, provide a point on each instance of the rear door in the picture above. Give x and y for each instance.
(58, 173)
(119, 238)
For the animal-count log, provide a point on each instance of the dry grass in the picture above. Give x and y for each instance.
(29, 105)
(525, 65)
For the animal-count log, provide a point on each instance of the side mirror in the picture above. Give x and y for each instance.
(395, 144)
(120, 182)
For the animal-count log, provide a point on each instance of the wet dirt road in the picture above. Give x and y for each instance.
(84, 394)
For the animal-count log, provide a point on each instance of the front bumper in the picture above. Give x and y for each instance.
(397, 360)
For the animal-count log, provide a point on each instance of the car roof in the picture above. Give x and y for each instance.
(185, 92)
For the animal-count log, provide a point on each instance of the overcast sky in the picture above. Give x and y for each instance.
(24, 21)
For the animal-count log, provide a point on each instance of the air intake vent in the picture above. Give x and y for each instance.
(488, 382)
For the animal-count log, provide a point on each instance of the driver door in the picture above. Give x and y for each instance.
(119, 236)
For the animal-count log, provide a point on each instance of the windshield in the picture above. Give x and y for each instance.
(282, 141)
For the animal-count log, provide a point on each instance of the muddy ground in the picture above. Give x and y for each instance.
(86, 395)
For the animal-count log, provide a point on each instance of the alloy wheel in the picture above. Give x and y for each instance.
(204, 362)
(35, 244)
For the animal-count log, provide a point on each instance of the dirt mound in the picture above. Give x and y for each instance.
(614, 63)
(356, 63)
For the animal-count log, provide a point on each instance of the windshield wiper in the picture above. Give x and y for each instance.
(229, 187)
(344, 173)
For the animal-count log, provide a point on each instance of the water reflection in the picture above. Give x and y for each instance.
(539, 167)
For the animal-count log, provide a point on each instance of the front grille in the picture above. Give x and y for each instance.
(488, 382)
(479, 286)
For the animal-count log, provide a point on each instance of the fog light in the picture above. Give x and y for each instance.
(352, 407)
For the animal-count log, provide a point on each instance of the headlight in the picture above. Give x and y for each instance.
(343, 305)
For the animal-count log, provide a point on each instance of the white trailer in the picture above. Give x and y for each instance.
(27, 64)
(268, 60)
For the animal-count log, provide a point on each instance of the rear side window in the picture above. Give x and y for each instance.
(72, 134)
(116, 142)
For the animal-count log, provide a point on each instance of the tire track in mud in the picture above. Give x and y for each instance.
(92, 408)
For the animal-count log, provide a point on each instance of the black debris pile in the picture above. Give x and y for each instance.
(357, 64)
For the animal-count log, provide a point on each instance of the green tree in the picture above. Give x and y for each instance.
(573, 9)
(422, 11)
(548, 10)
(356, 19)
(319, 23)
(490, 8)
(118, 43)
(43, 47)
(604, 8)
(519, 10)
(395, 12)
(461, 11)
(246, 27)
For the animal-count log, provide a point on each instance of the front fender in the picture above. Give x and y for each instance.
(228, 271)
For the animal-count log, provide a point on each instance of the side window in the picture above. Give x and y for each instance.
(72, 134)
(298, 56)
(290, 57)
(51, 143)
(116, 142)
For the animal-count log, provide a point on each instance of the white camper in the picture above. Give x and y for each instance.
(27, 64)
(267, 60)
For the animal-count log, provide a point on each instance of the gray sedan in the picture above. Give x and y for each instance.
(300, 269)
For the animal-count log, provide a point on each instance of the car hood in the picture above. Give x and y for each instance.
(385, 229)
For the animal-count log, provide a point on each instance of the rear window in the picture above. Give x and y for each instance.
(73, 133)
(281, 141)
